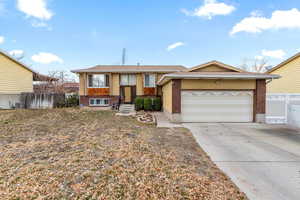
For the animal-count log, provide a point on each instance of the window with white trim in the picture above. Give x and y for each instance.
(149, 80)
(98, 81)
(98, 102)
(128, 79)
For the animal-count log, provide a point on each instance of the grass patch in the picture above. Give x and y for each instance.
(79, 154)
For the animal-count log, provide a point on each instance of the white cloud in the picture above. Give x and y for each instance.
(17, 53)
(174, 46)
(277, 54)
(2, 39)
(46, 58)
(210, 8)
(35, 8)
(259, 57)
(280, 19)
(40, 24)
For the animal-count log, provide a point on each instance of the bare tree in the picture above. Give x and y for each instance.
(255, 65)
(54, 82)
(62, 76)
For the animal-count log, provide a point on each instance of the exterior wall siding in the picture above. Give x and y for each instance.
(289, 81)
(114, 89)
(139, 85)
(212, 68)
(14, 79)
(167, 97)
(98, 91)
(82, 84)
(218, 84)
(115, 85)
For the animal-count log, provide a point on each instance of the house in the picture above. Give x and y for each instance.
(289, 83)
(283, 95)
(104, 85)
(211, 92)
(15, 78)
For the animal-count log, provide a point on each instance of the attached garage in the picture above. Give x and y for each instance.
(215, 92)
(217, 106)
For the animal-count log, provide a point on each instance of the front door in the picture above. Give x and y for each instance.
(127, 95)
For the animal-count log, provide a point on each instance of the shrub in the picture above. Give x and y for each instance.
(72, 101)
(147, 104)
(139, 104)
(157, 104)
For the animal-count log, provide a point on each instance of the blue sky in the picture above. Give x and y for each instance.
(69, 34)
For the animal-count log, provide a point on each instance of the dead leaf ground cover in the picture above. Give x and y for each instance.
(79, 154)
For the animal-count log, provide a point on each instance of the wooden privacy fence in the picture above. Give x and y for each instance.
(278, 107)
(40, 100)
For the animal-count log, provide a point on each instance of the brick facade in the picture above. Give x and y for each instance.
(260, 101)
(176, 96)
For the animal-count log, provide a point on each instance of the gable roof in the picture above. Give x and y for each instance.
(133, 68)
(219, 64)
(36, 76)
(216, 75)
(284, 62)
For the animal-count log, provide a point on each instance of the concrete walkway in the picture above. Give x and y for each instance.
(263, 160)
(163, 122)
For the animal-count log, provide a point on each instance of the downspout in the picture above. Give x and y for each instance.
(269, 81)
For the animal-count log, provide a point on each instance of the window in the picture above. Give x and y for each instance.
(149, 80)
(128, 79)
(99, 102)
(98, 81)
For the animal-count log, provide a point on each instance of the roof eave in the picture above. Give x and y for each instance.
(215, 62)
(166, 78)
(117, 71)
(284, 63)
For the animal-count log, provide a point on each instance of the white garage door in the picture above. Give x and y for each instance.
(217, 106)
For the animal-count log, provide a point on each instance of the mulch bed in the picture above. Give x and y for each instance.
(79, 154)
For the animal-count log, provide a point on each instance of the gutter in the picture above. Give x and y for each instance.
(193, 76)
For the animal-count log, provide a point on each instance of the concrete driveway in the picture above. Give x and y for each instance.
(263, 160)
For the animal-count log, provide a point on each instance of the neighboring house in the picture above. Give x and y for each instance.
(283, 95)
(15, 78)
(212, 92)
(289, 70)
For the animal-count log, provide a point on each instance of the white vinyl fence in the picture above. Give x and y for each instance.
(294, 115)
(280, 106)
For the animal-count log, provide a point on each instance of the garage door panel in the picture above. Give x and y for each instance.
(216, 102)
(218, 109)
(214, 106)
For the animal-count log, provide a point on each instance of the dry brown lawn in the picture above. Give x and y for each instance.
(79, 154)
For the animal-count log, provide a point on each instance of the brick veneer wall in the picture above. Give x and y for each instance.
(260, 101)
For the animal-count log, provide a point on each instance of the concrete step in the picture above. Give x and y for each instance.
(127, 109)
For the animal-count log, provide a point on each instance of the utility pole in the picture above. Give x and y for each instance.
(124, 56)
